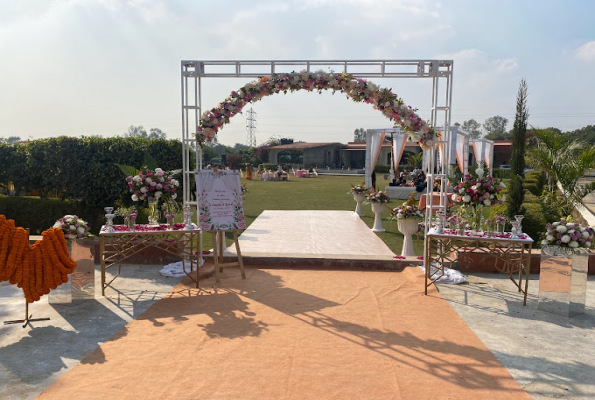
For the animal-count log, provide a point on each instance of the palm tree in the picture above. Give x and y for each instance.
(550, 153)
(414, 160)
(564, 162)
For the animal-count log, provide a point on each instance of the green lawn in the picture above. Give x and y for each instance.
(321, 193)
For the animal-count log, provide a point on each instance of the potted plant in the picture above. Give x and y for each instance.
(377, 200)
(564, 265)
(408, 217)
(359, 195)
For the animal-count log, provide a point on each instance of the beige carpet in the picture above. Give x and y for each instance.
(298, 334)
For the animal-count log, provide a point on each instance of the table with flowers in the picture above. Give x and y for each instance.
(115, 247)
(512, 255)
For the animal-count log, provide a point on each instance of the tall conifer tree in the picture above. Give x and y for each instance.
(516, 192)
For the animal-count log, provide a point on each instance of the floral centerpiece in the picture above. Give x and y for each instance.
(358, 89)
(359, 189)
(377, 197)
(73, 227)
(406, 211)
(568, 234)
(154, 186)
(475, 193)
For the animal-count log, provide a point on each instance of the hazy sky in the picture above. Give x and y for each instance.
(95, 67)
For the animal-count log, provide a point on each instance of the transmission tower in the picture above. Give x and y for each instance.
(251, 128)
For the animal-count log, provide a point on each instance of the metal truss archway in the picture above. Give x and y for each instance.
(193, 72)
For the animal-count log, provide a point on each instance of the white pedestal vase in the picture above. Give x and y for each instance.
(408, 226)
(81, 283)
(377, 209)
(359, 198)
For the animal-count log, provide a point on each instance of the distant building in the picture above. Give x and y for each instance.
(353, 154)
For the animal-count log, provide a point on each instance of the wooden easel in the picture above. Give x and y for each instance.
(218, 243)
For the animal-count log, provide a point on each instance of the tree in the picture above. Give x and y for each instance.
(517, 159)
(140, 131)
(500, 136)
(359, 135)
(156, 133)
(495, 125)
(12, 139)
(414, 160)
(473, 127)
(586, 134)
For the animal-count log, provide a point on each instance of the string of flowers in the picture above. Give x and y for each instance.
(357, 89)
(36, 269)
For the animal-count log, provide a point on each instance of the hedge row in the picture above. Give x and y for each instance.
(81, 170)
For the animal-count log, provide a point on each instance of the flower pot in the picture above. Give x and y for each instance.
(563, 280)
(359, 198)
(408, 226)
(377, 209)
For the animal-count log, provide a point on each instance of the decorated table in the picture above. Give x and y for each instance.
(511, 255)
(117, 246)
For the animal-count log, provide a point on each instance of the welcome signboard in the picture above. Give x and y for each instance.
(219, 197)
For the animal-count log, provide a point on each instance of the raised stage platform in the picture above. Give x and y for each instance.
(316, 237)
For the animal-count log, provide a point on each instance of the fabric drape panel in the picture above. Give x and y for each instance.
(376, 140)
(462, 151)
(488, 153)
(478, 147)
(399, 141)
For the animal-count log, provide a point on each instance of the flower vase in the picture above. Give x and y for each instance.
(476, 221)
(359, 198)
(170, 222)
(408, 226)
(377, 210)
(153, 212)
(563, 280)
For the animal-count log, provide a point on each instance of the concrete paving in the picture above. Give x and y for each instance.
(34, 357)
(550, 356)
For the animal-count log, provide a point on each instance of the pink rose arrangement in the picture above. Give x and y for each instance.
(359, 90)
(405, 211)
(148, 184)
(73, 227)
(378, 197)
(359, 189)
(478, 191)
(568, 234)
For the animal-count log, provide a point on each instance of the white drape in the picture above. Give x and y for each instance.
(462, 151)
(374, 142)
(478, 149)
(399, 141)
(488, 153)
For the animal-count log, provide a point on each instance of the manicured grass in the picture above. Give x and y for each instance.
(321, 193)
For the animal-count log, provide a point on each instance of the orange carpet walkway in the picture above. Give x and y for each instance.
(294, 334)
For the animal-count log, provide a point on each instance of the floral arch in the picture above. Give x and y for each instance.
(357, 89)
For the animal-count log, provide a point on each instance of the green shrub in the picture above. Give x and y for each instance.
(501, 173)
(382, 169)
(537, 175)
(534, 222)
(35, 213)
(533, 188)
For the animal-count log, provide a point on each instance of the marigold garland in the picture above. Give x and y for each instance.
(38, 268)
